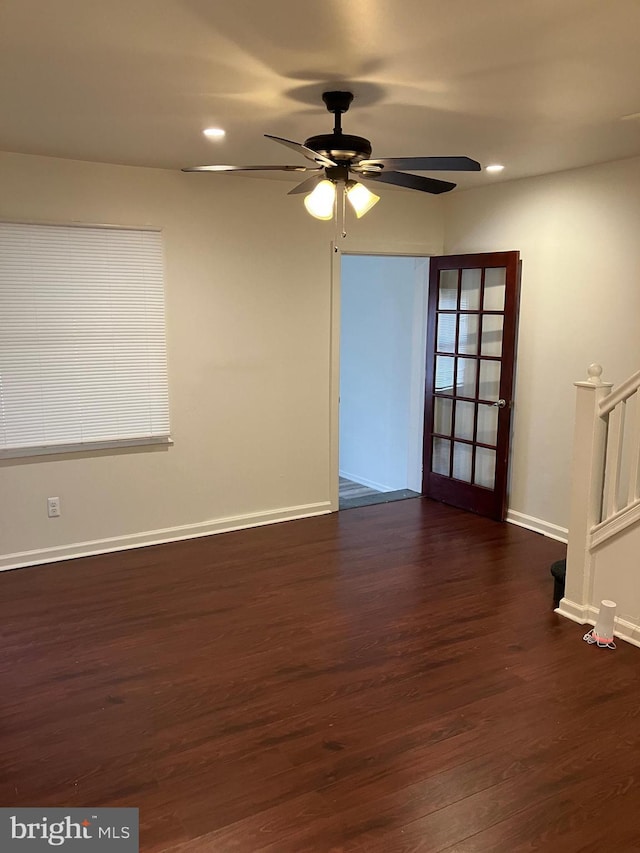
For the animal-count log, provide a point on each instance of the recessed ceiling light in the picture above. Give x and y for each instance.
(496, 167)
(214, 132)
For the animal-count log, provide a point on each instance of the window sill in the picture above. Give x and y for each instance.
(55, 449)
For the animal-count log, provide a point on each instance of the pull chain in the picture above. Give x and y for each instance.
(344, 211)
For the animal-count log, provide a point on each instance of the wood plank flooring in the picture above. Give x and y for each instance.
(350, 489)
(391, 679)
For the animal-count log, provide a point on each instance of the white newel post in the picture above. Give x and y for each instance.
(587, 471)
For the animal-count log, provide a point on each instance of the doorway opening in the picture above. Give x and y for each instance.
(382, 377)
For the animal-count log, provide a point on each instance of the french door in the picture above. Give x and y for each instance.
(471, 342)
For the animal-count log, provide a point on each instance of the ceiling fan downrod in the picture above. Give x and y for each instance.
(343, 148)
(337, 103)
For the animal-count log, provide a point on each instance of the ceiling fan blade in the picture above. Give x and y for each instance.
(309, 153)
(411, 182)
(251, 169)
(307, 185)
(425, 164)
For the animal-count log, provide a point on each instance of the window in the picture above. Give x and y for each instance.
(82, 338)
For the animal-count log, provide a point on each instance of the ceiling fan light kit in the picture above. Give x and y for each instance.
(360, 198)
(338, 156)
(321, 202)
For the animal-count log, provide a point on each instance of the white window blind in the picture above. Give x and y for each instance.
(82, 338)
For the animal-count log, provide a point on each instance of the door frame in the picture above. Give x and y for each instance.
(337, 251)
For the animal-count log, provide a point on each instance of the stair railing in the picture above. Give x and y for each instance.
(613, 409)
(605, 476)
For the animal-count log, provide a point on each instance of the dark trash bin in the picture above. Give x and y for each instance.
(559, 573)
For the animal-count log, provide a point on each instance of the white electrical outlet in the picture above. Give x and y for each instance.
(53, 507)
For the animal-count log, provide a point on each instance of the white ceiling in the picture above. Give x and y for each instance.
(538, 85)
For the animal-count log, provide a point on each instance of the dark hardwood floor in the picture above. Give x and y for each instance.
(387, 679)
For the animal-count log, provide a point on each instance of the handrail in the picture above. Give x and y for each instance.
(624, 391)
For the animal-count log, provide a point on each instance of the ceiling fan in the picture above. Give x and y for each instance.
(338, 156)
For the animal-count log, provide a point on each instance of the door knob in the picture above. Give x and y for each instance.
(500, 404)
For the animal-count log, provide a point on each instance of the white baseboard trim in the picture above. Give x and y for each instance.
(628, 631)
(576, 612)
(530, 522)
(585, 614)
(371, 484)
(157, 537)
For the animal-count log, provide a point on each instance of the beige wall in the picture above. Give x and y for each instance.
(248, 276)
(577, 233)
(249, 329)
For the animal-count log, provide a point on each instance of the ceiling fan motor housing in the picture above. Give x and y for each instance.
(340, 147)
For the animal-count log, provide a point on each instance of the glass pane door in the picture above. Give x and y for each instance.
(473, 308)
